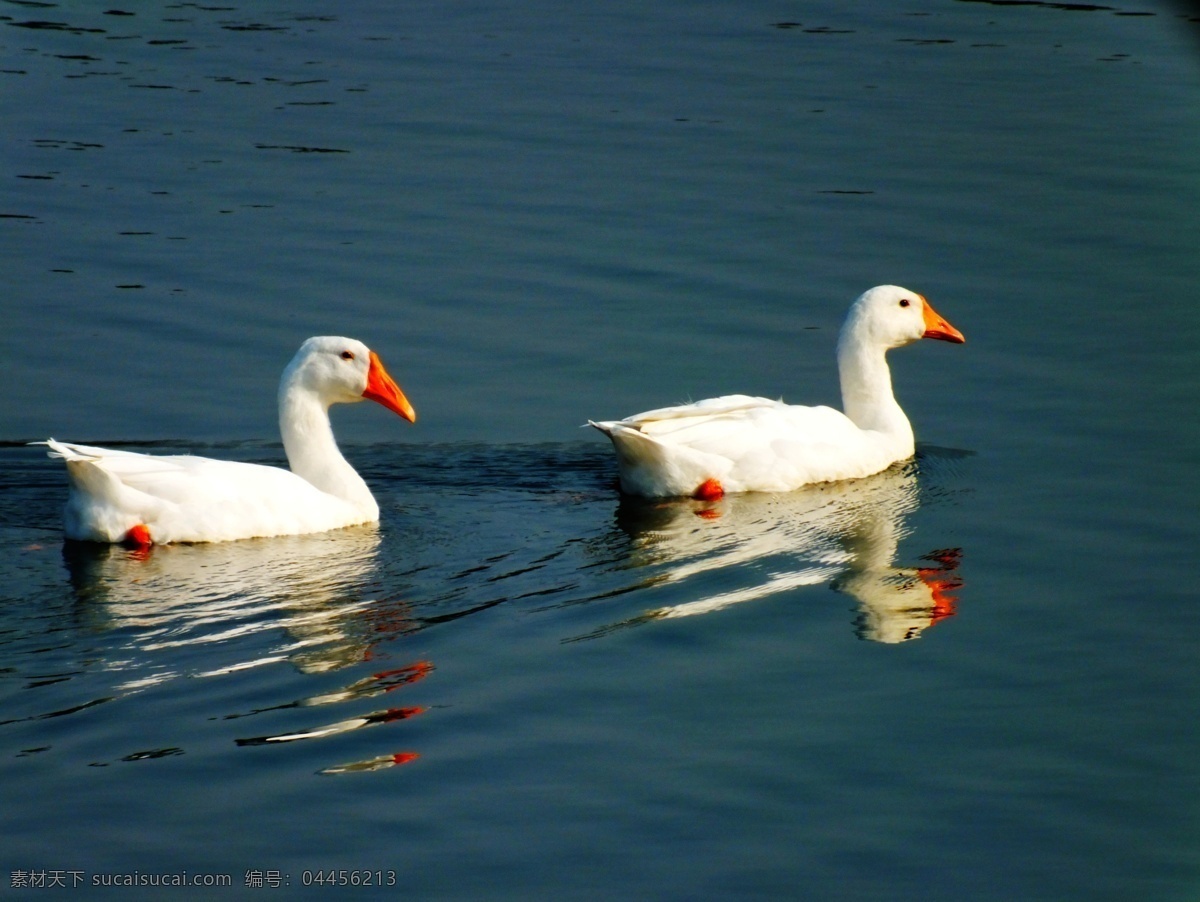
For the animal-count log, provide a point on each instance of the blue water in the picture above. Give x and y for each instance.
(971, 677)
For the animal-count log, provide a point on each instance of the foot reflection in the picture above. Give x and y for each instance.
(368, 687)
(374, 719)
(371, 764)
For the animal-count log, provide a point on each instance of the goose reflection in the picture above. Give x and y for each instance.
(316, 588)
(846, 535)
(320, 592)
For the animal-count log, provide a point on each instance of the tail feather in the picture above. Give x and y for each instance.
(650, 468)
(71, 451)
(61, 451)
(100, 506)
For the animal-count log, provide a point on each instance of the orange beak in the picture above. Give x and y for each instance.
(936, 327)
(382, 389)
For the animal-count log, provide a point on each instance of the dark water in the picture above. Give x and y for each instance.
(971, 677)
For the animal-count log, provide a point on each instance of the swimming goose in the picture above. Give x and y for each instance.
(738, 443)
(144, 499)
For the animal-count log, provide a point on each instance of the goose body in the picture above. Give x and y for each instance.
(739, 443)
(143, 499)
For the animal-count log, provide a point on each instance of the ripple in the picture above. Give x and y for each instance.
(538, 529)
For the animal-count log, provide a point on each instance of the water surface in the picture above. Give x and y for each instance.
(969, 677)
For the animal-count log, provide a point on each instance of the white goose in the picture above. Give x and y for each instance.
(144, 499)
(737, 443)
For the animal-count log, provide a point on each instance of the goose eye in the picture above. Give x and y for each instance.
(347, 355)
(903, 303)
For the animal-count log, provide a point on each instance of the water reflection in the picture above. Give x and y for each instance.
(845, 535)
(318, 589)
(320, 592)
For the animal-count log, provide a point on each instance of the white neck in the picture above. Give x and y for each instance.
(312, 451)
(867, 397)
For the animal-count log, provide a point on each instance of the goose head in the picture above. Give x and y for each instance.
(889, 316)
(338, 370)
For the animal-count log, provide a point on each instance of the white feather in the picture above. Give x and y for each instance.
(756, 444)
(182, 498)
